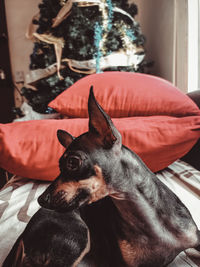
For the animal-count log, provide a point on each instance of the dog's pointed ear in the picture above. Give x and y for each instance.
(64, 138)
(101, 124)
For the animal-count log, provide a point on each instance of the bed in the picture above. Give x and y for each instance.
(176, 164)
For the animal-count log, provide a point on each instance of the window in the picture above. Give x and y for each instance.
(193, 45)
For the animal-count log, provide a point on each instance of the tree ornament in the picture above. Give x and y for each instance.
(75, 38)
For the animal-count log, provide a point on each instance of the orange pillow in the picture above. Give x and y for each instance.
(125, 94)
(31, 148)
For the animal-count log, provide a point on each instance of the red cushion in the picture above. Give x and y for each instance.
(31, 148)
(125, 94)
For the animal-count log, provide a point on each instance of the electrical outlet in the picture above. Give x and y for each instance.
(19, 76)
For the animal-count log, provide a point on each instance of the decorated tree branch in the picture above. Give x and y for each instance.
(75, 38)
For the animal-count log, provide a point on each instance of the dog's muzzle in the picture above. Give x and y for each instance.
(46, 200)
(60, 201)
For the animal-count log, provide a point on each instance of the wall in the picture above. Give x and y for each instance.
(164, 24)
(156, 20)
(19, 14)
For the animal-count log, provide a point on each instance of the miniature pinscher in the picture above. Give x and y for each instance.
(51, 239)
(150, 224)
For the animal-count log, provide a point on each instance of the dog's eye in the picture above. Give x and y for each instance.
(73, 163)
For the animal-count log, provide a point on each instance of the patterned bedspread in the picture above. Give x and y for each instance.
(18, 202)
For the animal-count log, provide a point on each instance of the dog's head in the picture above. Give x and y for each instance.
(88, 163)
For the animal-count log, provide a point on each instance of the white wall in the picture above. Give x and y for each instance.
(156, 20)
(19, 14)
(164, 23)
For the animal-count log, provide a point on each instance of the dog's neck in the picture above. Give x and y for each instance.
(146, 204)
(134, 180)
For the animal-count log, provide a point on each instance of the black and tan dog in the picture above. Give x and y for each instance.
(51, 239)
(139, 220)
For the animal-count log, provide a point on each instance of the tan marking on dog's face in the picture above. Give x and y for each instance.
(98, 187)
(95, 184)
(70, 189)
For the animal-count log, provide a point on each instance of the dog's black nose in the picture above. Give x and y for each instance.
(45, 200)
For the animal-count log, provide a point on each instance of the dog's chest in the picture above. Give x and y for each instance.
(130, 253)
(138, 256)
(140, 249)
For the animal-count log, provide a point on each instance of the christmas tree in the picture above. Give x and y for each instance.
(75, 38)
